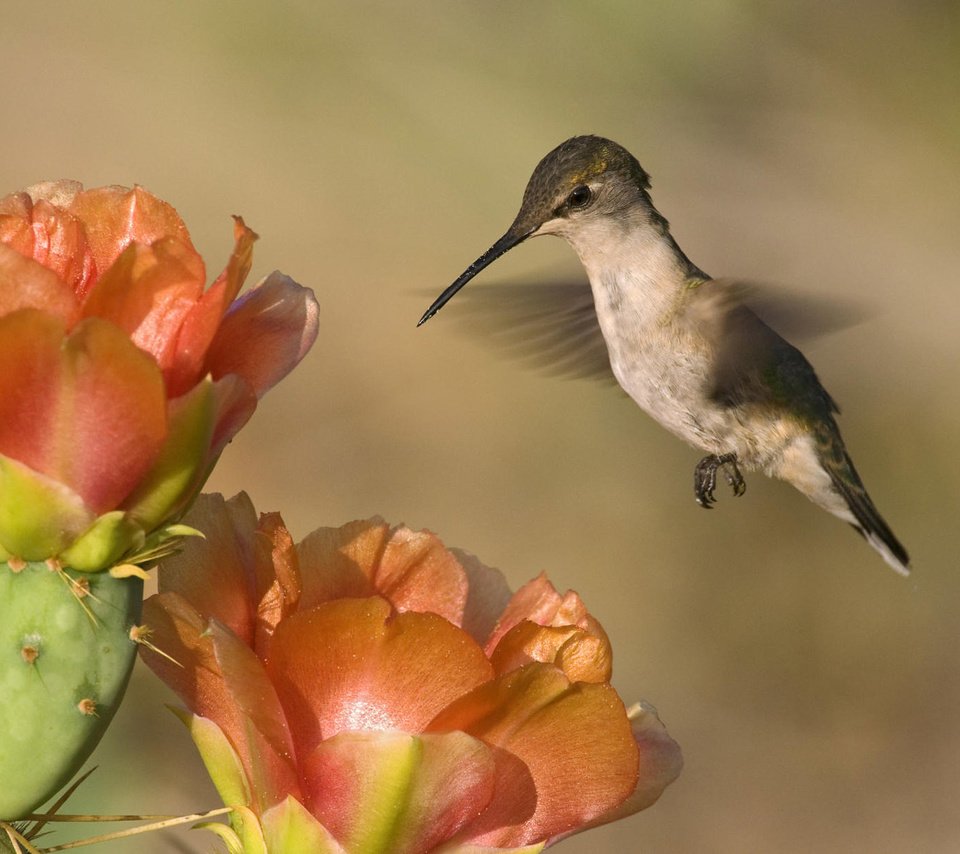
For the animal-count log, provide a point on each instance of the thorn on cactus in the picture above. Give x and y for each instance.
(141, 635)
(16, 564)
(30, 650)
(79, 592)
(87, 707)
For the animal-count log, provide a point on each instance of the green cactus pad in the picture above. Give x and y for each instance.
(65, 658)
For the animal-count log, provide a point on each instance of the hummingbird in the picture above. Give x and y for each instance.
(687, 348)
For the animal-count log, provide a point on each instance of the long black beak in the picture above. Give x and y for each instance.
(504, 244)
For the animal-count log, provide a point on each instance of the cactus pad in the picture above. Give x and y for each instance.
(65, 658)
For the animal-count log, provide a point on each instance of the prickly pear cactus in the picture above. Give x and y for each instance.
(65, 658)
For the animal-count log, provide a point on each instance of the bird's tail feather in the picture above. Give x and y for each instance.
(869, 523)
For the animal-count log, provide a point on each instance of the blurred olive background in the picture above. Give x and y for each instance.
(378, 148)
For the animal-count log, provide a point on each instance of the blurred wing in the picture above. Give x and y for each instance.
(755, 364)
(552, 328)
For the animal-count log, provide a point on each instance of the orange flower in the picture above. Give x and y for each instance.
(370, 690)
(123, 378)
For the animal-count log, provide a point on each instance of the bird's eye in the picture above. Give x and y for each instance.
(580, 196)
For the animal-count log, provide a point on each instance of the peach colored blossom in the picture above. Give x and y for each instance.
(368, 689)
(124, 377)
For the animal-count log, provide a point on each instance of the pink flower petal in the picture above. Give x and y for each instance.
(487, 595)
(87, 409)
(660, 764)
(582, 656)
(112, 414)
(538, 624)
(278, 580)
(265, 333)
(417, 573)
(188, 664)
(575, 741)
(352, 664)
(390, 791)
(26, 284)
(148, 292)
(223, 680)
(217, 574)
(115, 217)
(35, 225)
(412, 570)
(31, 340)
(235, 403)
(338, 563)
(201, 324)
(265, 741)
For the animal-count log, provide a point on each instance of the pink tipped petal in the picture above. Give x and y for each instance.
(201, 324)
(352, 664)
(111, 418)
(217, 573)
(575, 740)
(660, 758)
(32, 341)
(512, 804)
(87, 410)
(26, 284)
(265, 333)
(115, 217)
(390, 791)
(219, 678)
(235, 402)
(265, 744)
(185, 660)
(148, 292)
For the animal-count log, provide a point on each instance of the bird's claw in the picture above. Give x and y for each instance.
(705, 478)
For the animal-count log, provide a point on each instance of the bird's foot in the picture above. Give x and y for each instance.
(705, 478)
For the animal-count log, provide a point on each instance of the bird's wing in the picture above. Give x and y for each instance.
(755, 364)
(554, 328)
(550, 327)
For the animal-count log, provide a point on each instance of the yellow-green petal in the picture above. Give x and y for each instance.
(102, 544)
(289, 827)
(38, 516)
(176, 475)
(221, 760)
